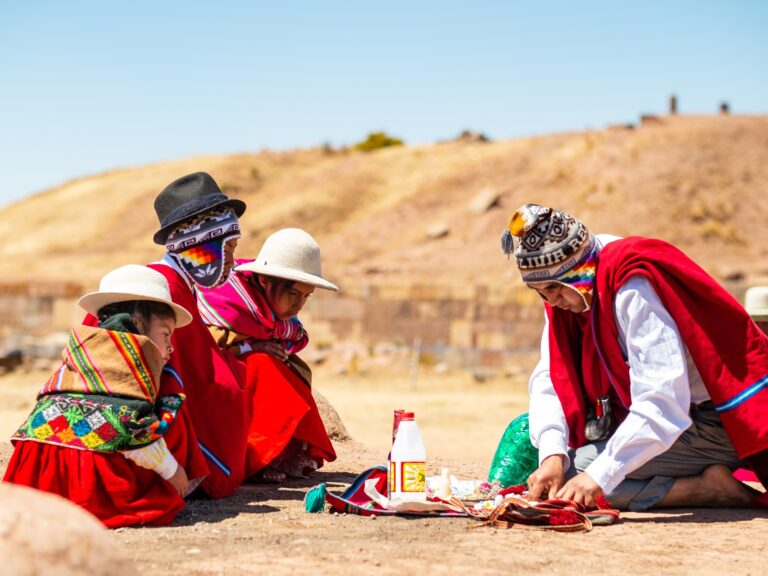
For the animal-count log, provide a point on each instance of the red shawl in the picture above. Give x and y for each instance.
(211, 379)
(729, 350)
(576, 371)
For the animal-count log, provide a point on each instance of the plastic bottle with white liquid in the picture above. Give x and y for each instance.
(407, 464)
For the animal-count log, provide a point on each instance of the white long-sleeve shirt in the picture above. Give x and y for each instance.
(664, 382)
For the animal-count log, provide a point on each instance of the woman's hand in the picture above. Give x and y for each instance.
(270, 347)
(582, 489)
(547, 479)
(179, 480)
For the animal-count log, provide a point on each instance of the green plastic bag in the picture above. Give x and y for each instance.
(515, 457)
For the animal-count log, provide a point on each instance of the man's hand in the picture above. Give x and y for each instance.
(547, 479)
(270, 347)
(582, 489)
(179, 480)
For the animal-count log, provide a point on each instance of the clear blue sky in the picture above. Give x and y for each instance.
(90, 86)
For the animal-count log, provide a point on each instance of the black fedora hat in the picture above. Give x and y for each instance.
(186, 197)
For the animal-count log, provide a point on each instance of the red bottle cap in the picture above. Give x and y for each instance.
(407, 416)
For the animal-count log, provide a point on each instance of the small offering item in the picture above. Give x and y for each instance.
(512, 508)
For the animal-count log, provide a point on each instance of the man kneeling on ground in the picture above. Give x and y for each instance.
(653, 381)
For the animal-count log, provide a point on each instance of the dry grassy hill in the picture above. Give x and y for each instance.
(699, 182)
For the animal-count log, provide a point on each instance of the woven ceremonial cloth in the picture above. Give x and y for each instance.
(354, 500)
(514, 510)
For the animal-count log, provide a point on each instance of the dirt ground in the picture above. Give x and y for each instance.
(265, 530)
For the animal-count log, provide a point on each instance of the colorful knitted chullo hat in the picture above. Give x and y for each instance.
(551, 245)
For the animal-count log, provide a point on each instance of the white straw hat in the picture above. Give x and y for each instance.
(756, 301)
(133, 282)
(293, 254)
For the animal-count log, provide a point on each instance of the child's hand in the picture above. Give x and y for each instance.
(270, 347)
(179, 480)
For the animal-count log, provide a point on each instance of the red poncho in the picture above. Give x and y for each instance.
(211, 380)
(729, 350)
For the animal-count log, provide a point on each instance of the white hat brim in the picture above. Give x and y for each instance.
(288, 274)
(95, 301)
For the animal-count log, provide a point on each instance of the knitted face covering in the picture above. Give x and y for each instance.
(198, 245)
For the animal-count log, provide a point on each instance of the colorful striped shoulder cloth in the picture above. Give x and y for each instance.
(109, 401)
(109, 362)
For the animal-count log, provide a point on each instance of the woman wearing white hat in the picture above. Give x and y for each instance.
(108, 417)
(254, 314)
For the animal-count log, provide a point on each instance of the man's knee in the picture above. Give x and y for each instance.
(585, 455)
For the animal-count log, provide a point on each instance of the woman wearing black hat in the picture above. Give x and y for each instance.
(199, 228)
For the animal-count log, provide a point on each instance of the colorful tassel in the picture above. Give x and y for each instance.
(314, 501)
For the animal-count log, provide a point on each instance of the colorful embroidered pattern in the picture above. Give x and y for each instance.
(100, 423)
(202, 253)
(204, 263)
(198, 245)
(547, 243)
(218, 223)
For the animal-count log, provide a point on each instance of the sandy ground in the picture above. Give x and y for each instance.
(264, 528)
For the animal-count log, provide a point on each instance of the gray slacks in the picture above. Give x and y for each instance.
(703, 444)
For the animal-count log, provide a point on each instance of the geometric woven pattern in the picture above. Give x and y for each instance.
(198, 245)
(77, 421)
(547, 243)
(96, 422)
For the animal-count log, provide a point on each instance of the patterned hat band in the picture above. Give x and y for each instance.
(580, 278)
(217, 223)
(556, 265)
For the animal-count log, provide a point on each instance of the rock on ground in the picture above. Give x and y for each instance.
(44, 534)
(333, 424)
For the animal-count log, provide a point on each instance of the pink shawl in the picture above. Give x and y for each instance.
(240, 307)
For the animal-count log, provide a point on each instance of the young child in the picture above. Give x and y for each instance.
(253, 315)
(97, 434)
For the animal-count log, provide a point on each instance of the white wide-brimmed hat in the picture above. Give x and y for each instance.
(756, 301)
(293, 254)
(133, 282)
